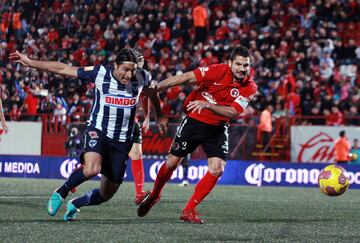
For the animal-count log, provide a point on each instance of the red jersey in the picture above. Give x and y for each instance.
(216, 86)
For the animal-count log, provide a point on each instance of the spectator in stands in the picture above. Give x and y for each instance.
(354, 118)
(355, 153)
(299, 43)
(74, 143)
(200, 16)
(15, 113)
(335, 117)
(342, 148)
(265, 126)
(76, 108)
(59, 116)
(4, 127)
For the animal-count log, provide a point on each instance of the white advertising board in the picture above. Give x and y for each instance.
(315, 144)
(24, 138)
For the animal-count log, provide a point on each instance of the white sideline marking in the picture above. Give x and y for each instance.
(17, 197)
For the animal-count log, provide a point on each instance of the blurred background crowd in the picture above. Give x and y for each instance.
(305, 53)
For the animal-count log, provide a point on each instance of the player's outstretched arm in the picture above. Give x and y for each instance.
(48, 66)
(188, 77)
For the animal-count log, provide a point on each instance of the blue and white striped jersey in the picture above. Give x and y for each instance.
(114, 105)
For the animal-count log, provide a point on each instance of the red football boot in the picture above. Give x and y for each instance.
(141, 196)
(190, 216)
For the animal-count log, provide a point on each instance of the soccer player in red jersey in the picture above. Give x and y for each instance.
(223, 92)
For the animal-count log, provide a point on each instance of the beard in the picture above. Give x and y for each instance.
(241, 79)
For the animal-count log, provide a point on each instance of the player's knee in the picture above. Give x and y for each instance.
(217, 171)
(91, 170)
(173, 162)
(106, 195)
(135, 155)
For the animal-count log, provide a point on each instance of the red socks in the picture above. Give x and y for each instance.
(162, 177)
(202, 189)
(137, 170)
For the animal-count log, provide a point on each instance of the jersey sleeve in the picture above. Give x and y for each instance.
(243, 100)
(147, 78)
(88, 73)
(210, 73)
(143, 76)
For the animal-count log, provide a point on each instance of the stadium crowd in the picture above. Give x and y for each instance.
(305, 53)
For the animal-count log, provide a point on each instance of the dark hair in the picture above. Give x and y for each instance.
(126, 55)
(239, 51)
(342, 133)
(139, 55)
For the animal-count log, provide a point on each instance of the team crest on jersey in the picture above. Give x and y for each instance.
(234, 92)
(92, 143)
(175, 146)
(93, 134)
(203, 70)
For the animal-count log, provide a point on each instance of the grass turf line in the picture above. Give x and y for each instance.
(231, 213)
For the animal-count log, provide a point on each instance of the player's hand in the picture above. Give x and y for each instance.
(153, 87)
(146, 124)
(197, 106)
(162, 123)
(20, 58)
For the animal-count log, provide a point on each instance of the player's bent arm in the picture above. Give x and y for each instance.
(226, 111)
(154, 98)
(188, 77)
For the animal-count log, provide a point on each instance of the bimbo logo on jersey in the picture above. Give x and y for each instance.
(120, 101)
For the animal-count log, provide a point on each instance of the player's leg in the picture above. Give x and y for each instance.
(137, 167)
(162, 177)
(90, 168)
(91, 165)
(185, 165)
(184, 142)
(113, 170)
(93, 197)
(216, 148)
(202, 189)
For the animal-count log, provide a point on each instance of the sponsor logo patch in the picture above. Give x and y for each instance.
(93, 134)
(203, 70)
(120, 101)
(176, 146)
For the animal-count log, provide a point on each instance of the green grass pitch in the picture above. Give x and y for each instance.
(231, 213)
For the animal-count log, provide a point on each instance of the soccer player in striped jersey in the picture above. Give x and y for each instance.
(109, 132)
